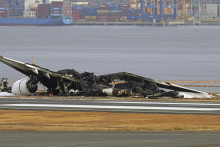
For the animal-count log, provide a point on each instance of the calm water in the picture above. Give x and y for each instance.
(163, 53)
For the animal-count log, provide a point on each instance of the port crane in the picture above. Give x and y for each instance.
(159, 10)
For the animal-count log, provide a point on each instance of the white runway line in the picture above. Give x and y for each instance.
(159, 103)
(111, 107)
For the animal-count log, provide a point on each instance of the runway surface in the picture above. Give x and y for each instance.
(110, 106)
(109, 139)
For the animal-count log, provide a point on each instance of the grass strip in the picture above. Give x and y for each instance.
(23, 120)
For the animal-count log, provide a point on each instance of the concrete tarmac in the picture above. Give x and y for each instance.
(106, 105)
(109, 139)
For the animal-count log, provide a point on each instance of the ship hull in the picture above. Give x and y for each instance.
(34, 22)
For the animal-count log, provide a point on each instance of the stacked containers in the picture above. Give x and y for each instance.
(56, 8)
(218, 10)
(195, 8)
(124, 12)
(212, 10)
(102, 14)
(114, 13)
(90, 14)
(133, 14)
(16, 12)
(43, 10)
(67, 9)
(78, 13)
(3, 11)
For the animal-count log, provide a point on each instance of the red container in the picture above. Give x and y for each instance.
(56, 4)
(124, 14)
(102, 20)
(124, 11)
(76, 17)
(3, 13)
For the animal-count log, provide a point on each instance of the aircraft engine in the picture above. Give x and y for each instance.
(24, 87)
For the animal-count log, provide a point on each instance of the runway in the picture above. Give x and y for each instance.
(106, 105)
(109, 139)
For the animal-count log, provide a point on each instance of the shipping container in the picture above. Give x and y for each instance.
(3, 9)
(125, 6)
(123, 18)
(81, 15)
(67, 12)
(124, 12)
(55, 14)
(78, 16)
(133, 17)
(91, 9)
(78, 8)
(43, 10)
(114, 18)
(102, 18)
(90, 18)
(219, 10)
(15, 12)
(102, 14)
(56, 9)
(102, 11)
(133, 11)
(3, 14)
(212, 10)
(78, 11)
(103, 8)
(114, 11)
(57, 4)
(67, 4)
(133, 14)
(114, 5)
(115, 8)
(90, 13)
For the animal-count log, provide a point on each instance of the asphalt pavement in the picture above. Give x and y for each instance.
(109, 139)
(106, 105)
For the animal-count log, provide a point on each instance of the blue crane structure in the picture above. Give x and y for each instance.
(16, 6)
(155, 10)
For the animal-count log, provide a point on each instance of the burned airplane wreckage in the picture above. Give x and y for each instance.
(70, 82)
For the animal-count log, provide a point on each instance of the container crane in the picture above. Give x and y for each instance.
(158, 10)
(183, 9)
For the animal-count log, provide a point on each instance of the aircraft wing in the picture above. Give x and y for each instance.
(33, 70)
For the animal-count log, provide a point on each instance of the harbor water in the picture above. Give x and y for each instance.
(159, 52)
